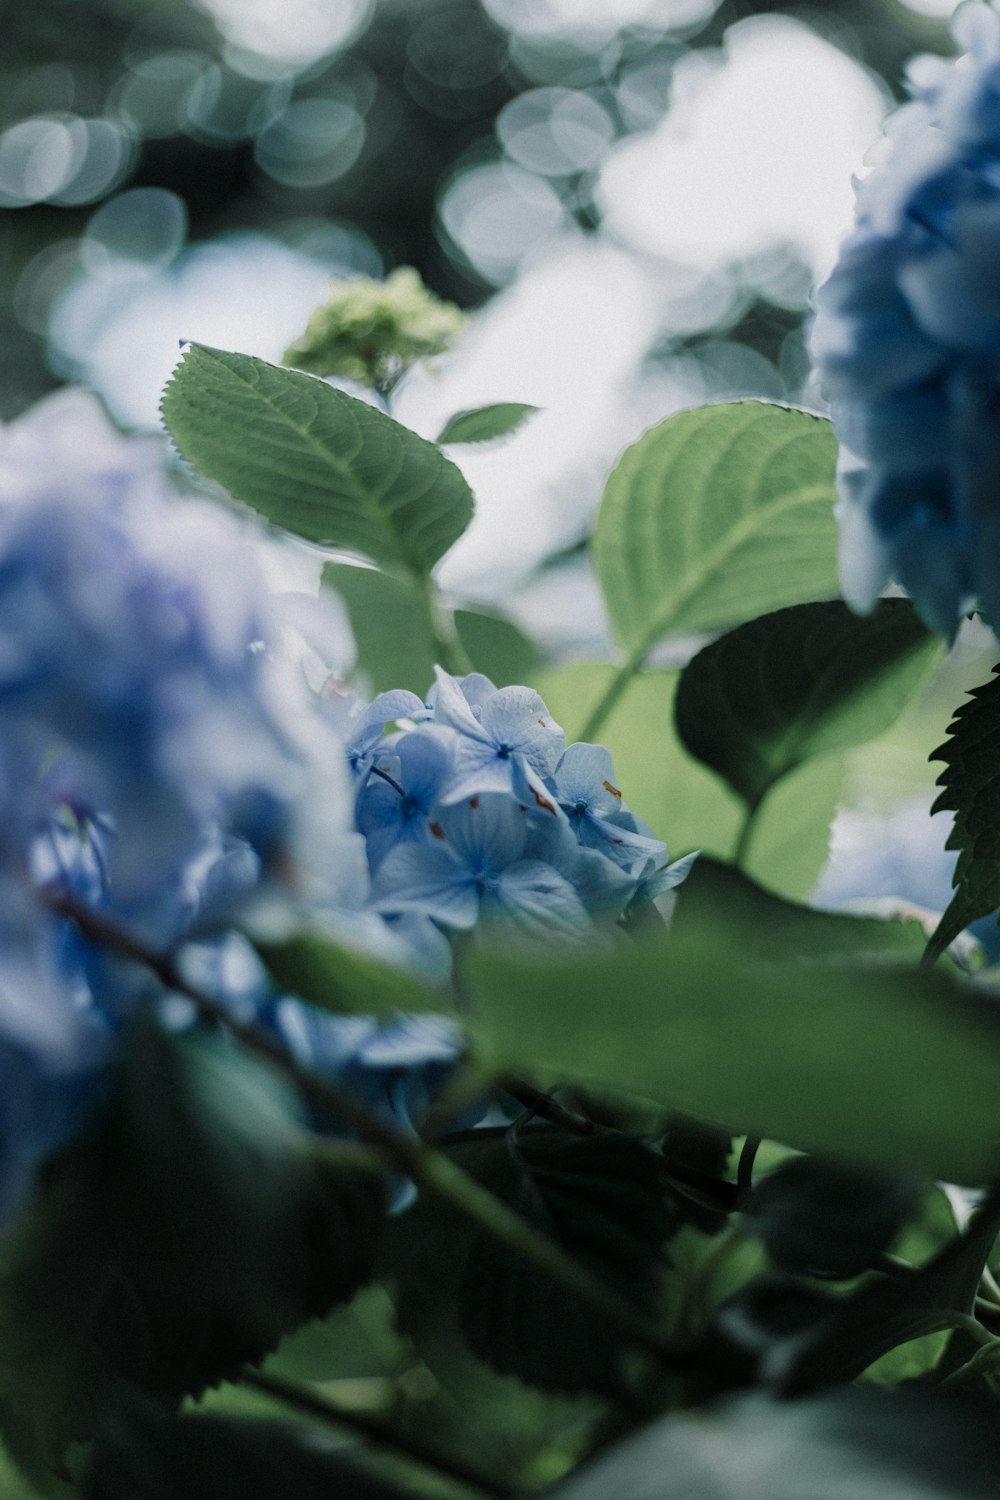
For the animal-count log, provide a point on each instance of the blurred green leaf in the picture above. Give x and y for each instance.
(683, 801)
(393, 635)
(337, 978)
(801, 682)
(483, 424)
(144, 1453)
(818, 1218)
(714, 517)
(926, 1233)
(603, 1199)
(886, 1312)
(886, 1066)
(523, 1435)
(390, 627)
(762, 925)
(176, 1245)
(897, 1445)
(316, 461)
(497, 647)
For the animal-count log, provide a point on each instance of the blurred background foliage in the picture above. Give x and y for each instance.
(337, 136)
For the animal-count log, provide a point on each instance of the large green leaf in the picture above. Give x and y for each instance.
(899, 1445)
(861, 1061)
(762, 925)
(685, 803)
(603, 1198)
(314, 460)
(971, 788)
(717, 516)
(801, 682)
(393, 634)
(178, 1244)
(145, 1452)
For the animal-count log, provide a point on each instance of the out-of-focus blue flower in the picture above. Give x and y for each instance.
(137, 682)
(396, 1067)
(156, 763)
(907, 342)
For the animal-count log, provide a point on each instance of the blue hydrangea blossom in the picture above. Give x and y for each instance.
(479, 813)
(907, 343)
(162, 765)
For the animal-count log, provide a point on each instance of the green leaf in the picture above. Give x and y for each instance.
(892, 1067)
(390, 627)
(497, 647)
(603, 1199)
(316, 461)
(897, 1445)
(761, 925)
(143, 1452)
(818, 1218)
(685, 803)
(801, 682)
(393, 635)
(971, 789)
(335, 978)
(884, 1313)
(714, 517)
(179, 1243)
(524, 1436)
(483, 424)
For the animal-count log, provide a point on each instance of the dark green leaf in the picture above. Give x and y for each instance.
(821, 1219)
(146, 1455)
(178, 1244)
(696, 1157)
(896, 1445)
(971, 789)
(521, 1434)
(683, 801)
(885, 1066)
(886, 1312)
(603, 1198)
(761, 925)
(316, 461)
(482, 424)
(717, 516)
(799, 683)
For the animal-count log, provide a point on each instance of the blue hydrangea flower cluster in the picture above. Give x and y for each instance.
(907, 343)
(154, 761)
(161, 764)
(478, 813)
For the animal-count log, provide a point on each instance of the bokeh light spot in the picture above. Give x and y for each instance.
(555, 131)
(136, 232)
(296, 32)
(494, 214)
(312, 142)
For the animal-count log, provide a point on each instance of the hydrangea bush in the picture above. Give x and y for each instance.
(385, 1112)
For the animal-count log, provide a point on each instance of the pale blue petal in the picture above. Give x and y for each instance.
(428, 879)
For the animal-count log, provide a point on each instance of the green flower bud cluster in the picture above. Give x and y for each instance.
(372, 331)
